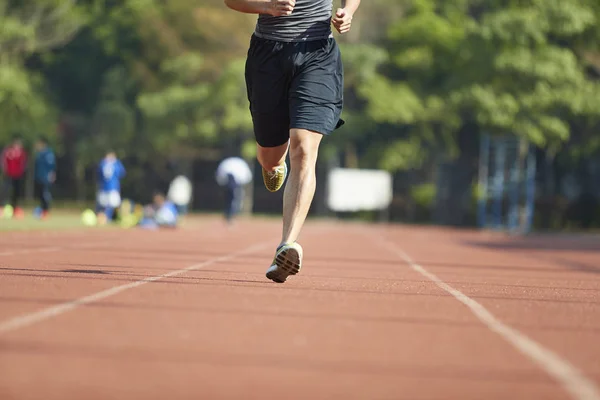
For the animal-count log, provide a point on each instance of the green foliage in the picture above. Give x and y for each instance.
(29, 27)
(196, 111)
(423, 195)
(402, 154)
(389, 102)
(23, 107)
(166, 78)
(113, 122)
(513, 69)
(248, 151)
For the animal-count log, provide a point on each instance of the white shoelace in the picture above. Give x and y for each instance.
(273, 174)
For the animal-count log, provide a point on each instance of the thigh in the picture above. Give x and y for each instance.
(267, 83)
(316, 93)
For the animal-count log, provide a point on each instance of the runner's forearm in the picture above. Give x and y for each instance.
(248, 6)
(350, 5)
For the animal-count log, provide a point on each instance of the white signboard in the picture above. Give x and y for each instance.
(352, 190)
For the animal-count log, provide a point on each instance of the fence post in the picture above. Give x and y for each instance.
(484, 159)
(498, 183)
(530, 190)
(515, 178)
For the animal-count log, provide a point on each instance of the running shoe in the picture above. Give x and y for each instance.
(274, 179)
(287, 261)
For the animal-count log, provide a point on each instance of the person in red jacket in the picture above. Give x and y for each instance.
(14, 164)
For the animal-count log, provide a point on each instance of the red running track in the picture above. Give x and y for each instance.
(378, 312)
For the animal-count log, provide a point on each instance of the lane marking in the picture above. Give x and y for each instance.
(54, 248)
(568, 376)
(30, 251)
(50, 312)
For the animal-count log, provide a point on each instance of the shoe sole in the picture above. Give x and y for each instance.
(287, 263)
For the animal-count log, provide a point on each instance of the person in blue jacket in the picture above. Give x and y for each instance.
(45, 174)
(110, 172)
(162, 213)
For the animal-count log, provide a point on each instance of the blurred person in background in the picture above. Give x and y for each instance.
(14, 165)
(162, 213)
(45, 175)
(295, 81)
(232, 174)
(180, 193)
(234, 196)
(110, 172)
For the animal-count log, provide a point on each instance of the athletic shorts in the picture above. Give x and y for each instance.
(109, 199)
(293, 85)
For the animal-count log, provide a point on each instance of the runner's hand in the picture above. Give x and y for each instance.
(342, 21)
(281, 8)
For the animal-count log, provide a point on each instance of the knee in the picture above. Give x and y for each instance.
(304, 150)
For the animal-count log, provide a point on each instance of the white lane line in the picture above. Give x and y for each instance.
(569, 377)
(53, 248)
(29, 251)
(50, 312)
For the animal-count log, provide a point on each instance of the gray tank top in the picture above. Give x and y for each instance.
(310, 20)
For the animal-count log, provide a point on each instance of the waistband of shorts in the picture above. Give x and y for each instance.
(308, 38)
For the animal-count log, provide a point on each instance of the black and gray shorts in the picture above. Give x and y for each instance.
(293, 85)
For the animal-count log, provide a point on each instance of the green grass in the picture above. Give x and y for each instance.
(59, 220)
(65, 219)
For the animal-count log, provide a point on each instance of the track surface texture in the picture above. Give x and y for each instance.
(377, 312)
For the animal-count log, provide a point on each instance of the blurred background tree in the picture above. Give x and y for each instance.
(162, 83)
